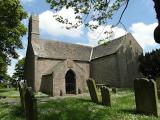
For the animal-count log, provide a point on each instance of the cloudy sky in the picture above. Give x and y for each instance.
(139, 19)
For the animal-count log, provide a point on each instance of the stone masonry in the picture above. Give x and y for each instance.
(59, 68)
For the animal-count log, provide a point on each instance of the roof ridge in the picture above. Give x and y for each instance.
(57, 41)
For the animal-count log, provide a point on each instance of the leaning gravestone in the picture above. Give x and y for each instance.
(146, 96)
(92, 90)
(30, 105)
(106, 99)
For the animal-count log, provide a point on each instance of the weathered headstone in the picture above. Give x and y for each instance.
(61, 93)
(22, 92)
(30, 105)
(92, 90)
(79, 91)
(114, 90)
(106, 99)
(146, 96)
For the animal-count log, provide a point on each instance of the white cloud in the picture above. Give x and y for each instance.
(21, 56)
(98, 34)
(143, 33)
(11, 67)
(49, 25)
(84, 44)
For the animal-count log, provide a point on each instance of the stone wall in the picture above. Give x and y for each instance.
(29, 71)
(47, 84)
(43, 67)
(128, 62)
(104, 70)
(59, 69)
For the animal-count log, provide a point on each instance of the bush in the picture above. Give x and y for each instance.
(150, 64)
(2, 86)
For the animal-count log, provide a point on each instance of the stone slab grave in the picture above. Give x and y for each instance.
(146, 96)
(30, 105)
(93, 90)
(106, 99)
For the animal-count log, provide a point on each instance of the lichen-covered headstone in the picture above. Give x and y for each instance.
(106, 99)
(92, 90)
(146, 96)
(30, 105)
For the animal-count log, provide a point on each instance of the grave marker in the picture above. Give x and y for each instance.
(106, 99)
(92, 90)
(146, 96)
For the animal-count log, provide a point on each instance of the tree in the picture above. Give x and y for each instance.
(97, 10)
(89, 11)
(157, 29)
(150, 64)
(11, 31)
(19, 70)
(18, 75)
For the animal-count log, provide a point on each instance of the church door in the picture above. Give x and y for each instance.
(70, 80)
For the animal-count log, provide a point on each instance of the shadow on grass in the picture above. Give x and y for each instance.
(5, 90)
(17, 111)
(129, 111)
(84, 100)
(70, 109)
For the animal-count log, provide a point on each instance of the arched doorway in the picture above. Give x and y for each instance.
(70, 80)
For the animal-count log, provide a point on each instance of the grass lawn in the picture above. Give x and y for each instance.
(75, 108)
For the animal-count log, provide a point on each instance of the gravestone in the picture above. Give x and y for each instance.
(21, 87)
(30, 105)
(61, 93)
(146, 96)
(114, 90)
(92, 90)
(79, 91)
(106, 99)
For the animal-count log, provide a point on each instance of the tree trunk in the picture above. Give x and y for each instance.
(157, 29)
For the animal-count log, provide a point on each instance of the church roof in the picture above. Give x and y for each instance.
(109, 48)
(61, 50)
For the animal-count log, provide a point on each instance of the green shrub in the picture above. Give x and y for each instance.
(2, 85)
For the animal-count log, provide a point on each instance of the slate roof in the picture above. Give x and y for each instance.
(61, 50)
(109, 48)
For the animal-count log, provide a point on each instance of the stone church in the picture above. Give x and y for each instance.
(59, 68)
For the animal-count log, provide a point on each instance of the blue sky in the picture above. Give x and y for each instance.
(139, 19)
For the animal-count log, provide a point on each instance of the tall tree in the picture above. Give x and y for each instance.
(11, 31)
(150, 64)
(19, 70)
(157, 30)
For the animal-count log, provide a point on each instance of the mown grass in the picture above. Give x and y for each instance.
(11, 93)
(80, 108)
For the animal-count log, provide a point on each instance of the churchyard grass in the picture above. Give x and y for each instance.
(9, 92)
(76, 108)
(13, 93)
